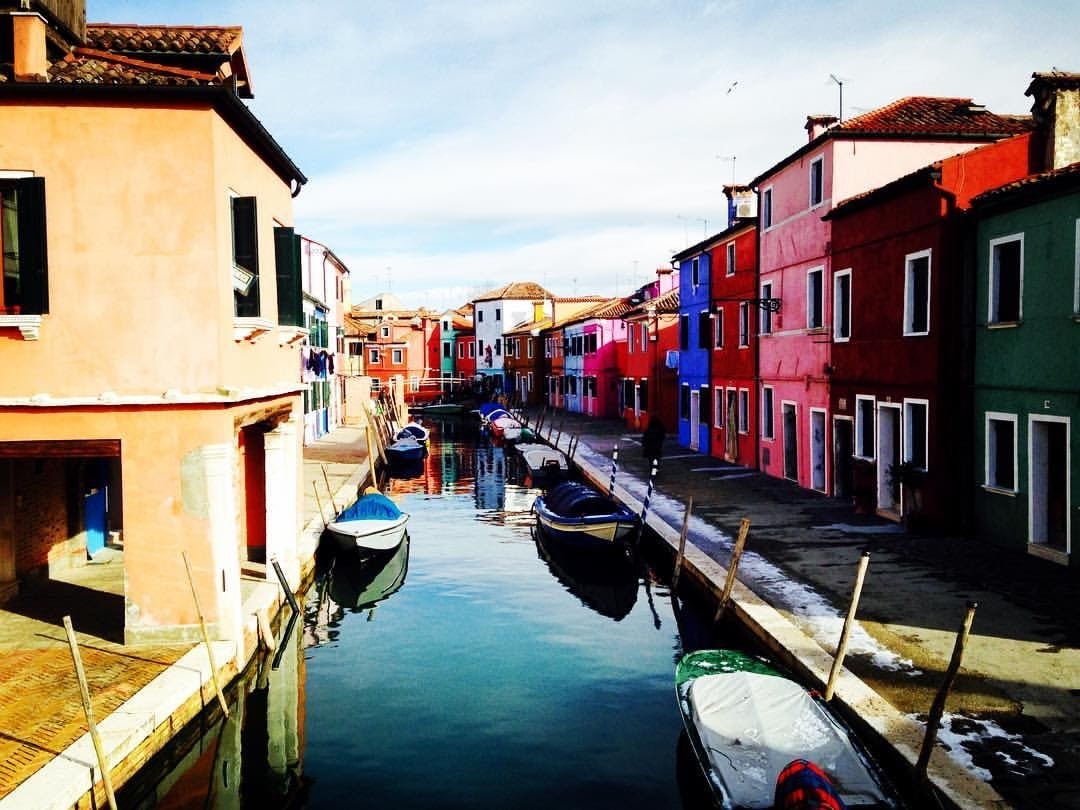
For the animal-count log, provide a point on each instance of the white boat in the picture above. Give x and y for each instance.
(413, 430)
(544, 462)
(373, 523)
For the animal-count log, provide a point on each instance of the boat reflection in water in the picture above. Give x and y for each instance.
(606, 583)
(359, 583)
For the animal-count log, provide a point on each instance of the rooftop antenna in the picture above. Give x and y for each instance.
(839, 83)
(732, 159)
(705, 228)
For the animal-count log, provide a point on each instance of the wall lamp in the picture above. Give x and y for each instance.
(767, 304)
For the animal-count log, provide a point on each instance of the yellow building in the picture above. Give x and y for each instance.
(151, 309)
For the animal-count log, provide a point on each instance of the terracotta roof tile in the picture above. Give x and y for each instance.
(85, 66)
(518, 290)
(928, 115)
(164, 39)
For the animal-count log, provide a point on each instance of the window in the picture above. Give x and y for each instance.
(643, 394)
(591, 343)
(815, 315)
(684, 401)
(864, 426)
(730, 251)
(480, 315)
(290, 294)
(744, 411)
(461, 351)
(766, 313)
(744, 324)
(529, 347)
(480, 347)
(732, 410)
(718, 407)
(1006, 279)
(1001, 451)
(446, 326)
(498, 314)
(766, 412)
(446, 353)
(817, 188)
(915, 431)
(766, 209)
(704, 327)
(397, 357)
(384, 331)
(373, 356)
(703, 401)
(245, 258)
(718, 329)
(498, 347)
(842, 306)
(917, 293)
(1076, 283)
(695, 274)
(684, 332)
(472, 350)
(630, 338)
(644, 337)
(378, 304)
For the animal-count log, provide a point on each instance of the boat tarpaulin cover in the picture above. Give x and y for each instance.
(373, 506)
(753, 725)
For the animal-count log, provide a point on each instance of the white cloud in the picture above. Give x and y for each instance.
(550, 136)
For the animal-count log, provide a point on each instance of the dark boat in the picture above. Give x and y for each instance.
(607, 585)
(576, 515)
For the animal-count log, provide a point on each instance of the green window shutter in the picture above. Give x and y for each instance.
(33, 255)
(289, 292)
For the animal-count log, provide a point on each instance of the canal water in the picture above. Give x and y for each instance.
(474, 669)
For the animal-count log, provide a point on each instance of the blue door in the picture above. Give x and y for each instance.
(96, 505)
(96, 512)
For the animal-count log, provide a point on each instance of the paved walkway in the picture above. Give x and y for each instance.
(1015, 709)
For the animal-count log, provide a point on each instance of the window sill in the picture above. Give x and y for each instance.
(250, 328)
(28, 325)
(999, 491)
(1003, 324)
(1046, 553)
(287, 335)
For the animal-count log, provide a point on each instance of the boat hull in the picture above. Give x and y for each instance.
(746, 721)
(368, 534)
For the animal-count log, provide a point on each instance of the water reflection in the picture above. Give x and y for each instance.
(606, 583)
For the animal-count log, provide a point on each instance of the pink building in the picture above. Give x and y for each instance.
(595, 357)
(840, 161)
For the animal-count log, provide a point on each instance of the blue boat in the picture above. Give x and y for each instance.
(576, 515)
(372, 523)
(413, 430)
(405, 450)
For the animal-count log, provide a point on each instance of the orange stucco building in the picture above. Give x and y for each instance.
(149, 393)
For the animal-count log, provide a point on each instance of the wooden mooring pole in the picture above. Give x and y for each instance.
(614, 468)
(937, 708)
(733, 567)
(682, 544)
(88, 710)
(318, 502)
(841, 648)
(329, 491)
(206, 637)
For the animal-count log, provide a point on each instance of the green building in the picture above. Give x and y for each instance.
(1027, 343)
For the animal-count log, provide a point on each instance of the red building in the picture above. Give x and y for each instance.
(900, 373)
(733, 356)
(465, 352)
(649, 385)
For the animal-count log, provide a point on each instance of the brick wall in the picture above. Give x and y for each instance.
(42, 509)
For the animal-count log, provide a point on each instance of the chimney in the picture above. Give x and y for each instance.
(31, 62)
(1056, 110)
(742, 203)
(816, 124)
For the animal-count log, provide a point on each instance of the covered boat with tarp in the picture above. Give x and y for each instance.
(576, 514)
(748, 722)
(372, 523)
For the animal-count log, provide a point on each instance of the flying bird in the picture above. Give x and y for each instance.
(732, 87)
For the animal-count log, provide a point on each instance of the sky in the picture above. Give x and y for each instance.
(452, 147)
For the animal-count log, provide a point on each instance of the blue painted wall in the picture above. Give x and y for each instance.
(693, 361)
